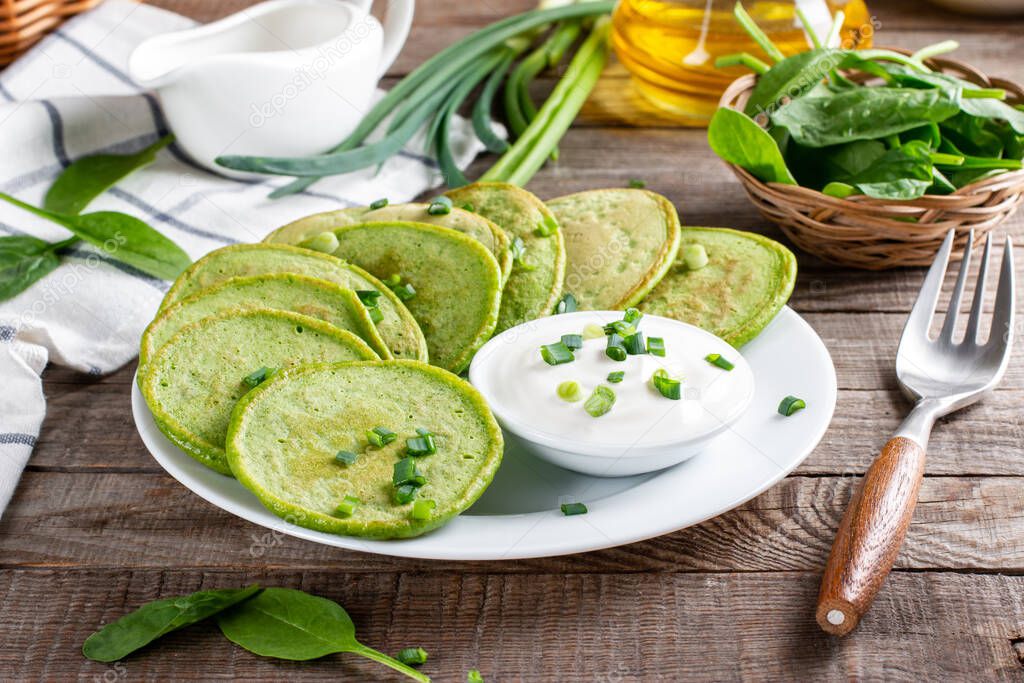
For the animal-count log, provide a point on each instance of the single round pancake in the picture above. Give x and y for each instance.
(192, 383)
(619, 244)
(397, 327)
(747, 281)
(535, 283)
(457, 282)
(284, 435)
(474, 225)
(310, 296)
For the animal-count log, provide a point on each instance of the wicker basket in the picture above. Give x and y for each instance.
(23, 22)
(875, 234)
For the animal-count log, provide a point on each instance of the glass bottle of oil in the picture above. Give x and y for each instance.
(670, 46)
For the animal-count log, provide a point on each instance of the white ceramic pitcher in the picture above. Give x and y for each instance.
(282, 78)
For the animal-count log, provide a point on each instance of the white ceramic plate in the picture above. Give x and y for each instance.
(519, 517)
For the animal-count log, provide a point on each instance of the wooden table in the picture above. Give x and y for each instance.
(96, 527)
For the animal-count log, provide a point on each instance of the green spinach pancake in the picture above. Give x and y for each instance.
(746, 282)
(396, 325)
(538, 249)
(285, 435)
(619, 244)
(310, 296)
(472, 224)
(192, 383)
(450, 282)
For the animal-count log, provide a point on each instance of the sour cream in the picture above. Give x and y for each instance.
(521, 389)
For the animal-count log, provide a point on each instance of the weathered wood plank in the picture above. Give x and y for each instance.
(61, 519)
(542, 628)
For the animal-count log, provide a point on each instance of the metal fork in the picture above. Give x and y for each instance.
(940, 375)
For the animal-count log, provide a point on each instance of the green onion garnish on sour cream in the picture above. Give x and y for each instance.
(616, 377)
(569, 391)
(666, 386)
(656, 346)
(718, 361)
(616, 349)
(592, 331)
(634, 344)
(569, 509)
(573, 341)
(600, 402)
(556, 354)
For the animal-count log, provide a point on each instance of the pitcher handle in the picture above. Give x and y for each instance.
(397, 23)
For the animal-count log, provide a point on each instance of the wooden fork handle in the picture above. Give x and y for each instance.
(870, 536)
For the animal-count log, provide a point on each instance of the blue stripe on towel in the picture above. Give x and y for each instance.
(164, 217)
(18, 438)
(6, 93)
(7, 334)
(57, 125)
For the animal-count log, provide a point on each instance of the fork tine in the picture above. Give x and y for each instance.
(953, 312)
(924, 308)
(1002, 319)
(974, 322)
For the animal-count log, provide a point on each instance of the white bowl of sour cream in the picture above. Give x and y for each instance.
(643, 431)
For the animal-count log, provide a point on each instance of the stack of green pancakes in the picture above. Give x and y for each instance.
(321, 366)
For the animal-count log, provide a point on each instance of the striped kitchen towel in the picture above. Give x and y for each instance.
(69, 97)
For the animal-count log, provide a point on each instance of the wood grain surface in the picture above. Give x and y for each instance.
(96, 528)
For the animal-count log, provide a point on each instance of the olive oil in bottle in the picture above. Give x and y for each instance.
(670, 46)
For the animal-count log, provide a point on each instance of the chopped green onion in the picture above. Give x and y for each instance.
(569, 391)
(567, 304)
(637, 184)
(592, 331)
(347, 506)
(717, 360)
(405, 292)
(379, 204)
(345, 457)
(556, 354)
(656, 346)
(518, 249)
(405, 493)
(615, 348)
(547, 227)
(406, 472)
(257, 377)
(375, 315)
(634, 344)
(695, 256)
(326, 243)
(422, 444)
(600, 402)
(573, 341)
(619, 327)
(422, 509)
(440, 206)
(393, 280)
(666, 386)
(379, 437)
(569, 509)
(474, 677)
(468, 207)
(368, 297)
(632, 316)
(616, 377)
(790, 405)
(411, 656)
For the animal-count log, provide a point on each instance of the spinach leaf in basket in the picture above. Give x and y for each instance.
(903, 172)
(735, 137)
(290, 624)
(863, 114)
(90, 176)
(155, 619)
(790, 78)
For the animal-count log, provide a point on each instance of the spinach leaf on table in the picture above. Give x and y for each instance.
(290, 624)
(123, 237)
(863, 114)
(155, 619)
(735, 137)
(24, 261)
(89, 177)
